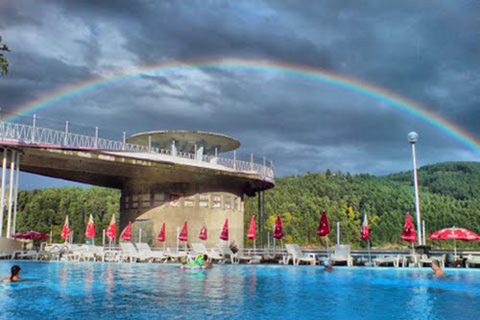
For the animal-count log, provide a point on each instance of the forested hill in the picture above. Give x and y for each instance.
(460, 180)
(449, 195)
(449, 192)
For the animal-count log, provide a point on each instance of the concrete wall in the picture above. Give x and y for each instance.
(150, 208)
(9, 245)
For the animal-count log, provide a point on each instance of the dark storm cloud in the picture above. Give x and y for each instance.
(426, 51)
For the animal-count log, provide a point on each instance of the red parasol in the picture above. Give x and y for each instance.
(224, 234)
(112, 229)
(455, 234)
(408, 233)
(278, 232)
(66, 229)
(252, 232)
(323, 227)
(183, 236)
(161, 235)
(365, 232)
(127, 233)
(203, 234)
(31, 235)
(90, 231)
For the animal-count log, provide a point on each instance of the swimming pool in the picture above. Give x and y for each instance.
(153, 291)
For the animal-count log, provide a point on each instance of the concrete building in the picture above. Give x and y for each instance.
(164, 176)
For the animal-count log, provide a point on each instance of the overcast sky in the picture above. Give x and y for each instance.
(426, 51)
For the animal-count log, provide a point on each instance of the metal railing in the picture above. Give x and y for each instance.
(35, 136)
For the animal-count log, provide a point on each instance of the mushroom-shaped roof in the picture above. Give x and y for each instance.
(185, 140)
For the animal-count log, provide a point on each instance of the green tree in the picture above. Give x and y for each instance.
(3, 59)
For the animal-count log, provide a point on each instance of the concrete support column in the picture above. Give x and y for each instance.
(200, 150)
(65, 141)
(17, 174)
(10, 193)
(2, 196)
(174, 148)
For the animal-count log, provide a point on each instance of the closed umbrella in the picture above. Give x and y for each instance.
(408, 232)
(90, 231)
(161, 236)
(65, 230)
(323, 227)
(183, 235)
(112, 230)
(203, 234)
(455, 234)
(224, 233)
(277, 233)
(252, 231)
(127, 233)
(365, 234)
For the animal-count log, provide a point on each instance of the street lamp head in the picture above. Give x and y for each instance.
(412, 137)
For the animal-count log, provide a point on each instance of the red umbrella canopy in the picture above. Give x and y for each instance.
(203, 234)
(455, 234)
(278, 232)
(252, 230)
(224, 233)
(408, 233)
(183, 236)
(127, 233)
(112, 229)
(31, 235)
(66, 229)
(323, 227)
(161, 235)
(90, 231)
(365, 232)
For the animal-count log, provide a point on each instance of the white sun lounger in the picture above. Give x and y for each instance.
(235, 258)
(130, 253)
(199, 249)
(342, 254)
(297, 255)
(175, 256)
(472, 260)
(426, 260)
(386, 260)
(26, 254)
(145, 251)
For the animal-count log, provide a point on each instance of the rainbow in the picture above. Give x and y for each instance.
(260, 66)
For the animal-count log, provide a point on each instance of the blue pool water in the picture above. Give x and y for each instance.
(153, 291)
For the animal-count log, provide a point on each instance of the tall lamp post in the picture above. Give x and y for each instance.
(413, 138)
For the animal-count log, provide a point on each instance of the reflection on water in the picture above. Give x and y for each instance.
(151, 291)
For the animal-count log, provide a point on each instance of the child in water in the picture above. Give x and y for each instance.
(436, 269)
(14, 271)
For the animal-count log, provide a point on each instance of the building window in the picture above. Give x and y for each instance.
(217, 201)
(227, 202)
(159, 196)
(203, 203)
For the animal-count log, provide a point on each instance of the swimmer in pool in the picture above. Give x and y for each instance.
(14, 272)
(206, 263)
(436, 269)
(328, 265)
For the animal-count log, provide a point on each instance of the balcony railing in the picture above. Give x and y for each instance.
(35, 136)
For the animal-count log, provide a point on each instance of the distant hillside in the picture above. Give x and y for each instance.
(460, 180)
(450, 195)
